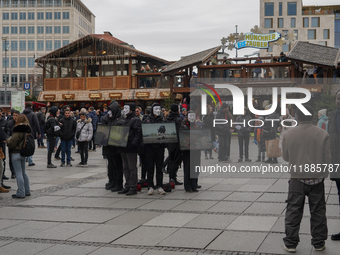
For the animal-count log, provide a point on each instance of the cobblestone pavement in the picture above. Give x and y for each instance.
(70, 212)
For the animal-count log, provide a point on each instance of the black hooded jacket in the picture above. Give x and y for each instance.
(68, 128)
(151, 118)
(135, 134)
(9, 127)
(33, 120)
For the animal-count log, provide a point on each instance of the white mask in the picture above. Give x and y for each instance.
(157, 110)
(126, 109)
(109, 113)
(192, 117)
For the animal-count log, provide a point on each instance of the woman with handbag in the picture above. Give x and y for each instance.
(15, 143)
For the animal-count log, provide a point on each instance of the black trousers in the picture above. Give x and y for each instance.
(174, 162)
(223, 147)
(229, 143)
(10, 161)
(57, 153)
(92, 146)
(154, 156)
(130, 169)
(3, 147)
(245, 140)
(294, 212)
(83, 151)
(191, 159)
(51, 143)
(114, 168)
(338, 186)
(143, 163)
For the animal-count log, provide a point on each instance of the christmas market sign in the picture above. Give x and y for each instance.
(259, 41)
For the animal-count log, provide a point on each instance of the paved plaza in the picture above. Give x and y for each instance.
(70, 212)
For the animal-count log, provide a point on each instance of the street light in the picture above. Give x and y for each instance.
(5, 39)
(236, 34)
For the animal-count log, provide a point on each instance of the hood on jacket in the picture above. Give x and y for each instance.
(323, 117)
(115, 109)
(22, 128)
(88, 120)
(173, 115)
(27, 110)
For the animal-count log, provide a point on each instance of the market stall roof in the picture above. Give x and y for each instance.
(120, 49)
(314, 54)
(192, 60)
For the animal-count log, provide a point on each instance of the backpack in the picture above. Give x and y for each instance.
(28, 146)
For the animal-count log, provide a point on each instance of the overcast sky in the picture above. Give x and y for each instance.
(170, 29)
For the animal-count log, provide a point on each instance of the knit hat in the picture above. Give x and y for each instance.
(323, 111)
(132, 106)
(53, 111)
(183, 109)
(174, 107)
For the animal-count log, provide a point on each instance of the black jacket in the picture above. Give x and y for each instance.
(3, 123)
(2, 136)
(269, 129)
(9, 128)
(49, 126)
(41, 118)
(135, 134)
(33, 120)
(174, 117)
(155, 119)
(68, 128)
(333, 138)
(222, 129)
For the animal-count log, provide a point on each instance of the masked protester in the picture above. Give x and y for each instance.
(115, 164)
(191, 158)
(174, 149)
(129, 154)
(51, 130)
(154, 154)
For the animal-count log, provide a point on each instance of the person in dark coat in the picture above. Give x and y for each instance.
(51, 130)
(173, 148)
(269, 131)
(68, 129)
(114, 159)
(243, 133)
(9, 133)
(222, 130)
(259, 141)
(154, 154)
(41, 120)
(3, 188)
(208, 123)
(3, 126)
(34, 124)
(129, 154)
(92, 114)
(334, 137)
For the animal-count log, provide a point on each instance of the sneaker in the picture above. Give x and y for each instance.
(240, 160)
(5, 186)
(117, 188)
(131, 192)
(68, 164)
(72, 159)
(335, 237)
(161, 191)
(84, 164)
(57, 158)
(3, 190)
(62, 164)
(268, 161)
(32, 164)
(51, 166)
(247, 160)
(110, 186)
(77, 152)
(291, 250)
(80, 164)
(13, 176)
(150, 191)
(15, 196)
(275, 161)
(94, 150)
(72, 147)
(178, 183)
(4, 177)
(124, 191)
(320, 248)
(258, 160)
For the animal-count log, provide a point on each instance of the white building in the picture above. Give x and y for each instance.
(33, 28)
(314, 24)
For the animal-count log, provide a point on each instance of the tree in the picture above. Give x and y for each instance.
(168, 102)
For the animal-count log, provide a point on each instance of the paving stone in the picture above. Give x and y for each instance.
(233, 181)
(97, 193)
(171, 219)
(130, 203)
(162, 204)
(176, 194)
(190, 238)
(44, 200)
(70, 192)
(24, 248)
(253, 223)
(2, 243)
(86, 202)
(9, 223)
(58, 181)
(243, 196)
(238, 241)
(273, 197)
(94, 184)
(212, 195)
(226, 187)
(103, 233)
(80, 175)
(195, 206)
(254, 187)
(35, 187)
(133, 218)
(27, 228)
(118, 251)
(266, 208)
(169, 253)
(149, 236)
(211, 221)
(230, 207)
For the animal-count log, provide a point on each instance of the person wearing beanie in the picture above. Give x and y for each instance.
(243, 133)
(183, 113)
(129, 154)
(9, 132)
(154, 154)
(173, 148)
(51, 130)
(323, 119)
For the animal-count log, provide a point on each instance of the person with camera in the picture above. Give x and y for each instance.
(52, 131)
(84, 134)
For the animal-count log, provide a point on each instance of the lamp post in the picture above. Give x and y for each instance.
(5, 39)
(236, 35)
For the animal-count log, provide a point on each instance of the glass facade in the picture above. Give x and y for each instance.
(311, 34)
(269, 9)
(337, 33)
(268, 23)
(280, 8)
(315, 22)
(292, 22)
(305, 22)
(291, 8)
(280, 22)
(31, 45)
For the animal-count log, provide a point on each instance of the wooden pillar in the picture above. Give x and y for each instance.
(71, 68)
(130, 72)
(100, 68)
(325, 76)
(51, 71)
(94, 49)
(243, 74)
(58, 71)
(171, 86)
(114, 68)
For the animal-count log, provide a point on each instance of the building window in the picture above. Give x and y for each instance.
(57, 2)
(48, 2)
(280, 8)
(57, 44)
(40, 15)
(22, 77)
(14, 45)
(48, 45)
(22, 45)
(14, 62)
(323, 43)
(5, 16)
(14, 80)
(270, 49)
(48, 15)
(4, 45)
(14, 30)
(14, 16)
(57, 29)
(285, 47)
(5, 62)
(40, 30)
(66, 29)
(271, 31)
(22, 15)
(57, 15)
(31, 15)
(65, 42)
(296, 33)
(291, 8)
(292, 22)
(315, 22)
(268, 9)
(326, 34)
(66, 15)
(280, 22)
(40, 45)
(22, 62)
(30, 62)
(31, 45)
(311, 34)
(30, 30)
(48, 29)
(22, 30)
(337, 33)
(305, 22)
(5, 30)
(268, 23)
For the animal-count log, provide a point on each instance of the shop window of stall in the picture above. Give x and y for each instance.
(93, 69)
(122, 67)
(107, 68)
